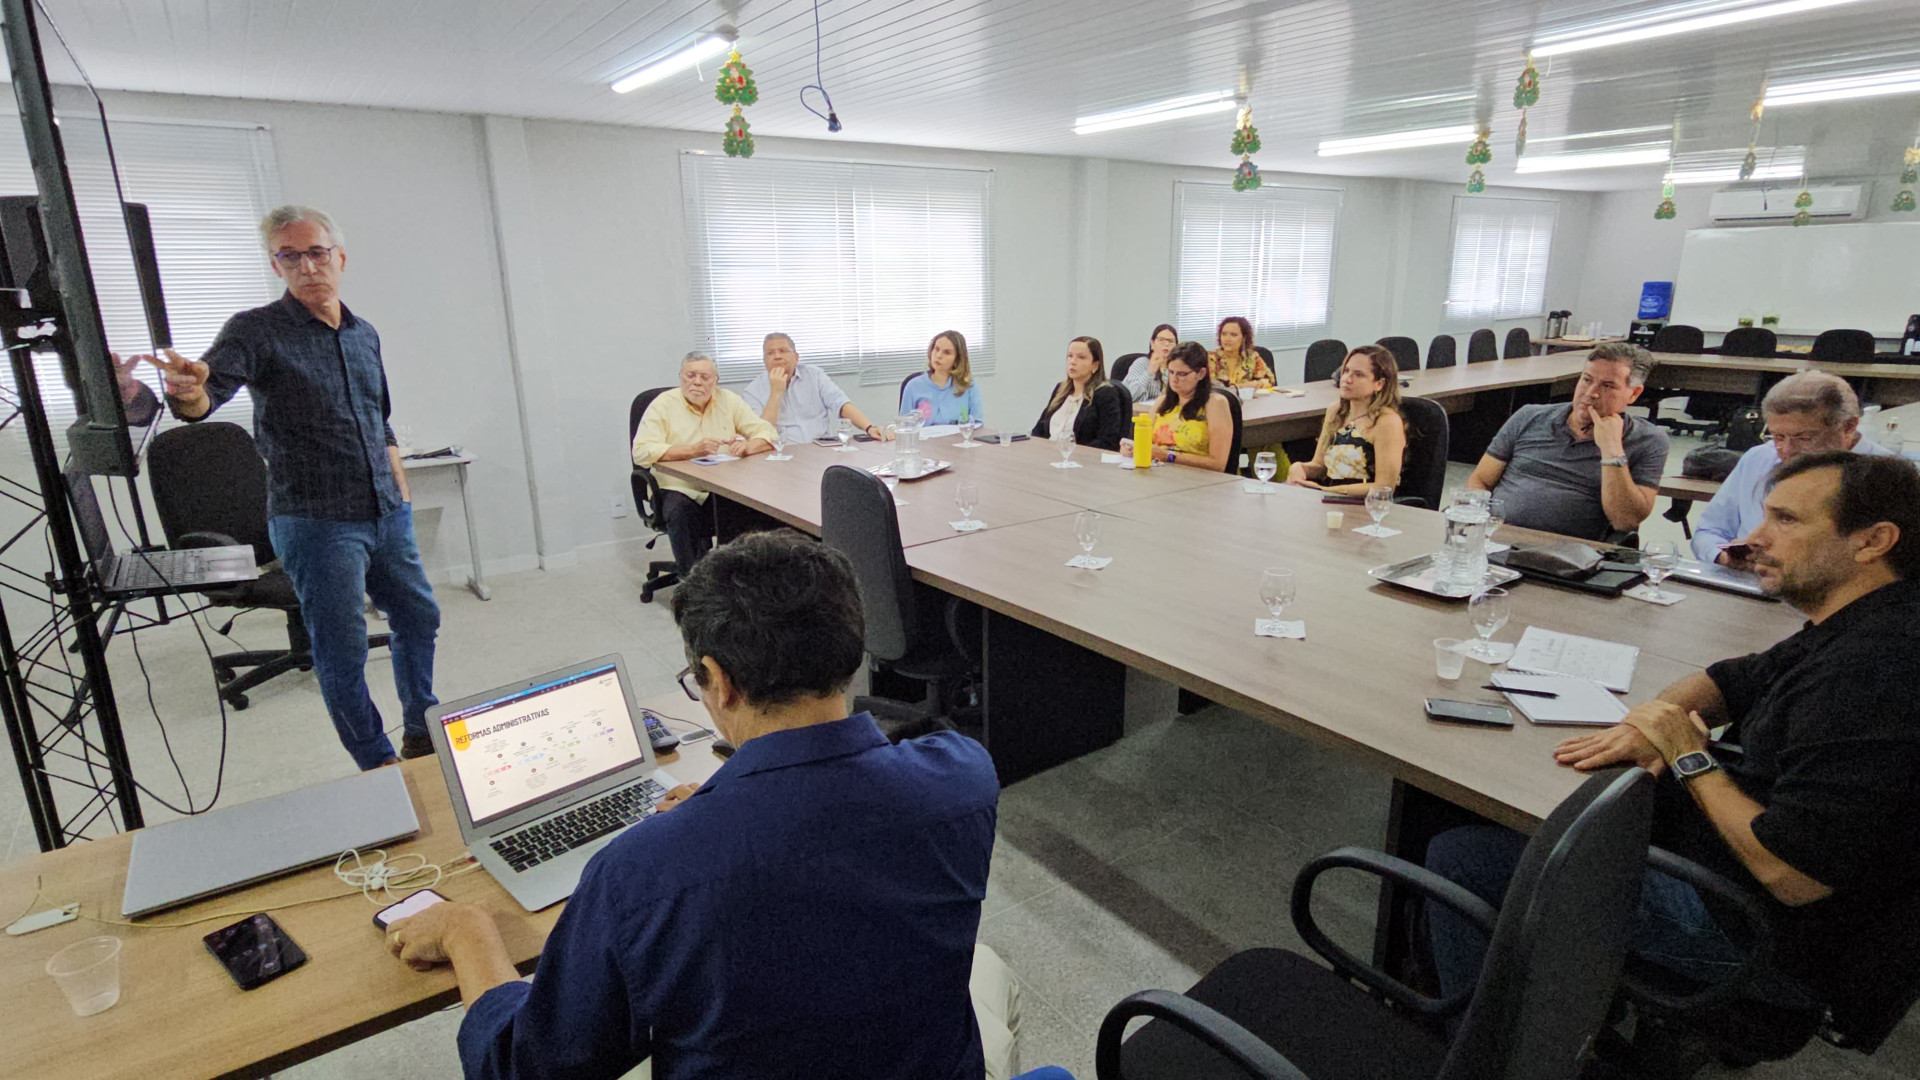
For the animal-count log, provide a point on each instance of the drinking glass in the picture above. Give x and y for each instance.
(844, 432)
(966, 431)
(1276, 590)
(1496, 515)
(1490, 610)
(1448, 658)
(1379, 501)
(88, 973)
(779, 447)
(892, 479)
(1265, 466)
(1086, 528)
(966, 496)
(1065, 443)
(1658, 562)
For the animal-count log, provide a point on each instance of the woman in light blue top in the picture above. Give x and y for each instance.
(945, 394)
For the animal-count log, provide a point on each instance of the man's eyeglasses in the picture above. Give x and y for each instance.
(292, 259)
(688, 684)
(1804, 441)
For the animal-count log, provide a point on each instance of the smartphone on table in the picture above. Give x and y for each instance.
(1478, 714)
(411, 906)
(255, 951)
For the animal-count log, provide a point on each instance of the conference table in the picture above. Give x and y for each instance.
(180, 1015)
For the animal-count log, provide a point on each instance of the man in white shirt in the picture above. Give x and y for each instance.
(800, 400)
(1806, 413)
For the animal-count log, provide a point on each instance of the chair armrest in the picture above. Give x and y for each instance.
(1399, 872)
(647, 495)
(205, 540)
(1753, 913)
(1230, 1040)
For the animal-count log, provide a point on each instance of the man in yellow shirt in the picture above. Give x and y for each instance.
(693, 421)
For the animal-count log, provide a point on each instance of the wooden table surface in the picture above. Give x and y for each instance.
(1179, 603)
(1687, 487)
(179, 1013)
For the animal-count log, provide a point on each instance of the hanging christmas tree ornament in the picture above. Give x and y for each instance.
(735, 84)
(1802, 203)
(738, 141)
(1752, 160)
(1666, 210)
(1476, 182)
(1904, 202)
(1247, 176)
(1246, 143)
(1480, 153)
(1520, 137)
(1527, 93)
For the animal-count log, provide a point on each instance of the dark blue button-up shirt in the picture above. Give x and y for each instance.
(810, 912)
(319, 408)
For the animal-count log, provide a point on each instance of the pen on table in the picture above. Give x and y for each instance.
(1518, 690)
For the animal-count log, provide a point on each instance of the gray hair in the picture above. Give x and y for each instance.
(1637, 359)
(694, 357)
(1816, 392)
(788, 338)
(281, 217)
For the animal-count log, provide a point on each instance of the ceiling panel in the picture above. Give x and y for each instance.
(1011, 75)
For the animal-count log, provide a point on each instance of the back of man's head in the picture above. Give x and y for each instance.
(1822, 395)
(1873, 488)
(778, 612)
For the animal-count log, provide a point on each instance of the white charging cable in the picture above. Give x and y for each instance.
(378, 873)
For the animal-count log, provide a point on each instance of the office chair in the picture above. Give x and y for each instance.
(1126, 402)
(1324, 358)
(1481, 347)
(1519, 343)
(1124, 364)
(1842, 347)
(1237, 451)
(210, 489)
(1423, 475)
(938, 645)
(1678, 338)
(1267, 355)
(661, 573)
(1756, 341)
(1558, 941)
(1708, 410)
(1440, 351)
(899, 399)
(1405, 350)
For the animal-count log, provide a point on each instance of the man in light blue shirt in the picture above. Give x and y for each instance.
(1806, 413)
(800, 399)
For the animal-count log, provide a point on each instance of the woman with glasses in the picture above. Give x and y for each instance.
(1235, 363)
(1192, 425)
(1147, 378)
(1085, 406)
(944, 393)
(1364, 438)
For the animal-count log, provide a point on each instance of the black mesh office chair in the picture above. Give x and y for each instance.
(1755, 341)
(1519, 343)
(1842, 347)
(1237, 449)
(1124, 364)
(661, 573)
(1440, 351)
(901, 397)
(210, 489)
(1267, 355)
(1708, 410)
(910, 634)
(1405, 350)
(1678, 338)
(1423, 474)
(1558, 941)
(1324, 358)
(1482, 347)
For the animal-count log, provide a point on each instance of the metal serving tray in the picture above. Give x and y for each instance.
(1418, 574)
(928, 467)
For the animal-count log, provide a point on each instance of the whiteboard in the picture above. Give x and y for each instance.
(1816, 277)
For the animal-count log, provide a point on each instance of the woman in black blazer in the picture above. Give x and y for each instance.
(1085, 403)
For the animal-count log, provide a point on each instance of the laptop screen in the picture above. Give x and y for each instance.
(86, 515)
(515, 749)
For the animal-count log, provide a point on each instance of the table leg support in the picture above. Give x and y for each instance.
(1414, 818)
(476, 582)
(1047, 700)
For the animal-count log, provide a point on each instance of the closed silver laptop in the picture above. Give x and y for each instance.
(544, 772)
(1724, 578)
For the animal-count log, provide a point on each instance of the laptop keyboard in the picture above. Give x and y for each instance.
(583, 824)
(154, 569)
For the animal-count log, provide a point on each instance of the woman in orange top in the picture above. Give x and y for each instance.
(1235, 363)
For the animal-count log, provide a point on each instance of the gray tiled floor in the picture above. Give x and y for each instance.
(1137, 866)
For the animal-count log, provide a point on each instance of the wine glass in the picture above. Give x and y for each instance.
(1490, 610)
(892, 479)
(1658, 562)
(844, 432)
(1065, 443)
(1379, 501)
(1276, 590)
(1496, 516)
(966, 429)
(779, 447)
(966, 496)
(1086, 528)
(1264, 467)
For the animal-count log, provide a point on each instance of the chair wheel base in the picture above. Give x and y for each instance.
(237, 702)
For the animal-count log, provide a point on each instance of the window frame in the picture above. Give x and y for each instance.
(1267, 336)
(1526, 311)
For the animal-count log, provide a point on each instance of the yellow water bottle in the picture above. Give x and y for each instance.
(1142, 440)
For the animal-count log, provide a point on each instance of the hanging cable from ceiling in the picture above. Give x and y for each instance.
(818, 85)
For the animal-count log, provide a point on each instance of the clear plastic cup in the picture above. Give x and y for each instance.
(1449, 657)
(88, 973)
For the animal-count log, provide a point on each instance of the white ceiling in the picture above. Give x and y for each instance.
(1011, 75)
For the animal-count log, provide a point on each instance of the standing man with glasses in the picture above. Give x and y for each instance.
(1808, 413)
(338, 508)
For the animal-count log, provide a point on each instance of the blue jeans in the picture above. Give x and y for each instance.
(335, 566)
(1671, 925)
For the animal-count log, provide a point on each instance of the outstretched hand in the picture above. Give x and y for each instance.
(186, 379)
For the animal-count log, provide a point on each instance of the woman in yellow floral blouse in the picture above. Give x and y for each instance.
(1192, 425)
(1364, 438)
(1236, 363)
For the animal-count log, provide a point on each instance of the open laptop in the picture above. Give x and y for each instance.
(545, 772)
(150, 571)
(1725, 578)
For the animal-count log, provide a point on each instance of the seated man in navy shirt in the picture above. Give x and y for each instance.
(809, 911)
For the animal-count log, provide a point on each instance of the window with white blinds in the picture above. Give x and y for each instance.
(1500, 249)
(861, 263)
(1266, 254)
(206, 187)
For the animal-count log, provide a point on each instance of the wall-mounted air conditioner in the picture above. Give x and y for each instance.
(1773, 205)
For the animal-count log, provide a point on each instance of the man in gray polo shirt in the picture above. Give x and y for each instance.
(1585, 468)
(800, 399)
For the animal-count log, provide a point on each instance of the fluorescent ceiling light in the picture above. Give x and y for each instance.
(1671, 21)
(1172, 109)
(1399, 140)
(1615, 133)
(1852, 86)
(1723, 166)
(707, 47)
(1594, 159)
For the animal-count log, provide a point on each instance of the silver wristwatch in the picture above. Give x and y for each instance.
(1620, 461)
(1697, 763)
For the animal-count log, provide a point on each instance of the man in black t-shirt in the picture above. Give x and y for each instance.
(1811, 797)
